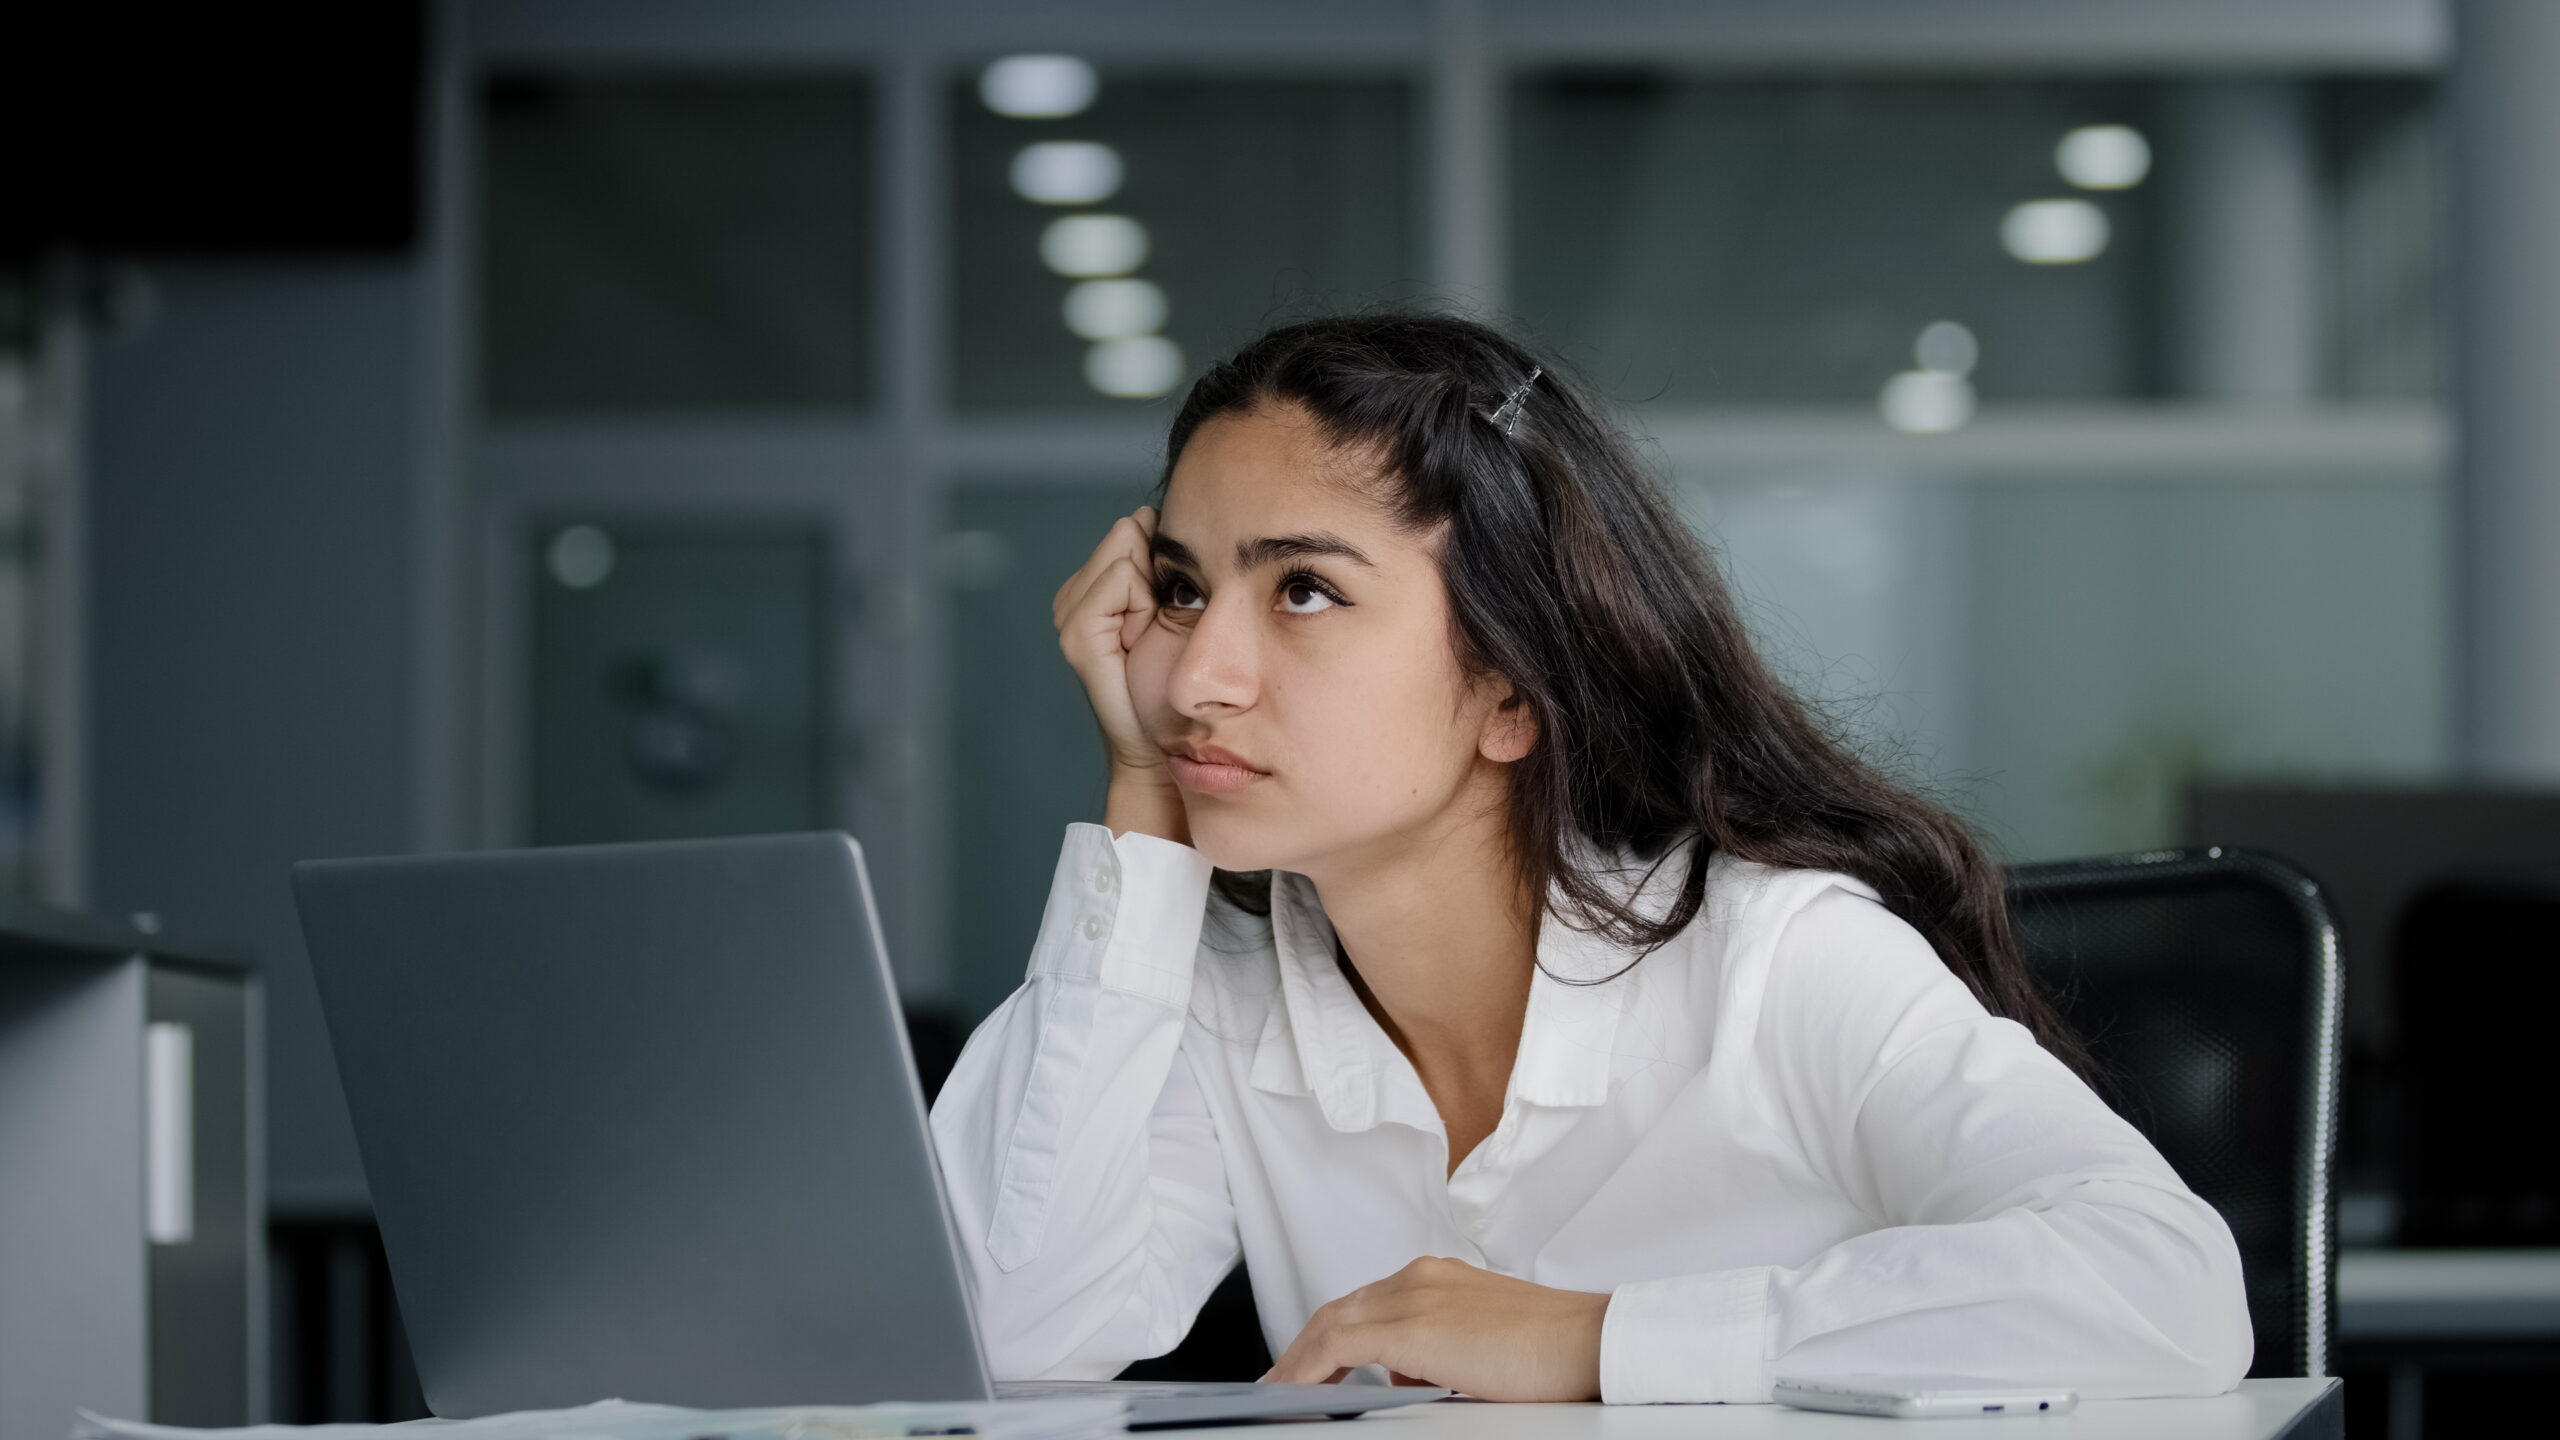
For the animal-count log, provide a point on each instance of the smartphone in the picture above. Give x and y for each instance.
(1922, 1396)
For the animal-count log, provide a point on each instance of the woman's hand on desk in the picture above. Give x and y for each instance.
(1445, 1322)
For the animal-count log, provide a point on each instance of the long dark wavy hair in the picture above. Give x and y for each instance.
(1571, 578)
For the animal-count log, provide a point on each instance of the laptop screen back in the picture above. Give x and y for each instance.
(639, 1121)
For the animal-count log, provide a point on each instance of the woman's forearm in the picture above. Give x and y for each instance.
(1081, 1164)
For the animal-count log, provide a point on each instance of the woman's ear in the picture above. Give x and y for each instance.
(1510, 728)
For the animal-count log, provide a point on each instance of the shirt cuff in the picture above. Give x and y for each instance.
(1689, 1339)
(1124, 913)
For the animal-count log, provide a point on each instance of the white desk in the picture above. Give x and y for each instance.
(2258, 1410)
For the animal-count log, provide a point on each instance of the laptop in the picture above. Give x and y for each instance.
(640, 1122)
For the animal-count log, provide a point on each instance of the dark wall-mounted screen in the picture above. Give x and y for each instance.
(160, 127)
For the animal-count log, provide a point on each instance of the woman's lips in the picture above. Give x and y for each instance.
(1212, 771)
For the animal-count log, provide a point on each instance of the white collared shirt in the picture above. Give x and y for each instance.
(1790, 1142)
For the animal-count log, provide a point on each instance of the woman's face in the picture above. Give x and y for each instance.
(1298, 671)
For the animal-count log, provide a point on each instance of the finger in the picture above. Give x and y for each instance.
(1128, 534)
(1111, 594)
(1140, 612)
(1324, 1352)
(1301, 1363)
(1127, 537)
(1267, 1378)
(1096, 638)
(1124, 594)
(1137, 532)
(1113, 546)
(1307, 1370)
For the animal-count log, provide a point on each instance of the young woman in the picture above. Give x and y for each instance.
(1482, 943)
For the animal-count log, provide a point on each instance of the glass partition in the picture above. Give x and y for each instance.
(2381, 161)
(678, 678)
(1790, 239)
(660, 242)
(1101, 255)
(2063, 656)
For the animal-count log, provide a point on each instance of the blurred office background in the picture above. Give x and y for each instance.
(500, 422)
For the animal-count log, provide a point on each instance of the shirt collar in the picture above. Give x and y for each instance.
(1321, 1041)
(1570, 1034)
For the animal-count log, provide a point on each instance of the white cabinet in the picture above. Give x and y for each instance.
(132, 1237)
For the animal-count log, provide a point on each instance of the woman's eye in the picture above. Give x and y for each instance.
(1177, 593)
(1300, 597)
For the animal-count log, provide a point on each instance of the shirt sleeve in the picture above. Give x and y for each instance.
(1078, 1151)
(2025, 1232)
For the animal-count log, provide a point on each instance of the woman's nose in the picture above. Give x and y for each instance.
(1219, 670)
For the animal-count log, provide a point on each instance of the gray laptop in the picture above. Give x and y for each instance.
(640, 1121)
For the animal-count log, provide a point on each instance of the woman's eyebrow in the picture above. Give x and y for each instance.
(1268, 550)
(1271, 549)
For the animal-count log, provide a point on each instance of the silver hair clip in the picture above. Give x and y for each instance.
(1506, 417)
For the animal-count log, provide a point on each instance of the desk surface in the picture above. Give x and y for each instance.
(2258, 1410)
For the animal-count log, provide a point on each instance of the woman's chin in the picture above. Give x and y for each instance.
(1233, 846)
(1234, 857)
(1298, 842)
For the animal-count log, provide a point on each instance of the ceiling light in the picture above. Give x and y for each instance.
(1138, 368)
(1926, 402)
(2103, 157)
(2054, 232)
(1037, 87)
(1088, 246)
(1066, 172)
(1115, 309)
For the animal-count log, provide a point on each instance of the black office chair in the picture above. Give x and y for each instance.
(2208, 986)
(2477, 987)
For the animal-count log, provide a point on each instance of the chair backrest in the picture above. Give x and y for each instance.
(2209, 988)
(2477, 985)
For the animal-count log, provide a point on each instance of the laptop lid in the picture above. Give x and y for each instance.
(640, 1121)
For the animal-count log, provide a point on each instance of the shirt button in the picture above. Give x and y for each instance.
(1093, 927)
(1102, 880)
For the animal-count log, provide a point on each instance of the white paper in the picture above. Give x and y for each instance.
(1076, 1419)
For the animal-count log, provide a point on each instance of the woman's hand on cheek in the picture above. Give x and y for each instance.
(1445, 1322)
(1100, 612)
